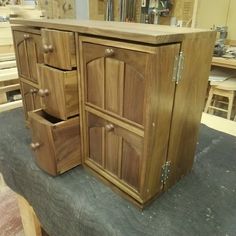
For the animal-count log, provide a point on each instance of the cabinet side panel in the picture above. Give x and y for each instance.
(189, 102)
(159, 104)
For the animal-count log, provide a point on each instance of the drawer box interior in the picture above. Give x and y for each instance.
(56, 143)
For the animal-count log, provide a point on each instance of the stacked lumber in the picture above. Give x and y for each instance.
(10, 97)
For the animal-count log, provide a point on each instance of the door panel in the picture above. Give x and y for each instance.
(117, 150)
(115, 82)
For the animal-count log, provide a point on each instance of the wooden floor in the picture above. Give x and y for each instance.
(218, 123)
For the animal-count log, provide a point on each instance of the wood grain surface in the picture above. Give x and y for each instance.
(152, 34)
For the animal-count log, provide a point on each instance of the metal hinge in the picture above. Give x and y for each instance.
(165, 171)
(178, 67)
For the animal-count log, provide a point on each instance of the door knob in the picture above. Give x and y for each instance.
(109, 52)
(33, 91)
(35, 146)
(43, 92)
(26, 36)
(47, 48)
(109, 127)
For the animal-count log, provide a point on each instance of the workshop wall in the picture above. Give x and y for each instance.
(218, 13)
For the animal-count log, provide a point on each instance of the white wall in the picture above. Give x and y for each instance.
(82, 9)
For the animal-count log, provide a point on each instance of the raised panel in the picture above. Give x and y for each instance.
(30, 98)
(95, 144)
(112, 153)
(35, 55)
(134, 88)
(130, 165)
(21, 54)
(114, 85)
(95, 82)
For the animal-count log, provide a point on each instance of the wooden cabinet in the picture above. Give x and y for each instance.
(59, 91)
(130, 88)
(59, 48)
(56, 143)
(141, 91)
(28, 53)
(30, 97)
(137, 101)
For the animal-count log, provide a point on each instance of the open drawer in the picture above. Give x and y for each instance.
(59, 91)
(56, 143)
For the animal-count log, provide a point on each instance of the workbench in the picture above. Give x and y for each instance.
(76, 203)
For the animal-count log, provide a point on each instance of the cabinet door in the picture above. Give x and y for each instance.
(115, 149)
(28, 54)
(115, 80)
(59, 49)
(30, 97)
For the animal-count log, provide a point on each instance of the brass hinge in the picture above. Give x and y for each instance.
(178, 67)
(165, 171)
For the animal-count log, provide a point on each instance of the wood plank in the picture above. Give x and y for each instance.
(30, 221)
(7, 64)
(10, 105)
(223, 62)
(219, 123)
(8, 74)
(153, 34)
(9, 88)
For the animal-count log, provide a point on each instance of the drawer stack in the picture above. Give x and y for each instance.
(55, 126)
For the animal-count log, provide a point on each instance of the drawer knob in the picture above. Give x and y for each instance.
(26, 36)
(47, 48)
(43, 92)
(109, 52)
(109, 127)
(33, 91)
(35, 146)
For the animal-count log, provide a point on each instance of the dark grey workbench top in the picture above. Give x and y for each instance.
(76, 203)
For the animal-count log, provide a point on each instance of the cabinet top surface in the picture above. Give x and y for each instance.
(152, 34)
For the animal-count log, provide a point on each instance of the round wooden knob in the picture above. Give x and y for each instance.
(26, 36)
(109, 52)
(47, 48)
(109, 127)
(35, 146)
(33, 91)
(43, 92)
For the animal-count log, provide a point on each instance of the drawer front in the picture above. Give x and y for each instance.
(115, 80)
(115, 150)
(59, 91)
(42, 142)
(31, 100)
(56, 143)
(28, 48)
(59, 49)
